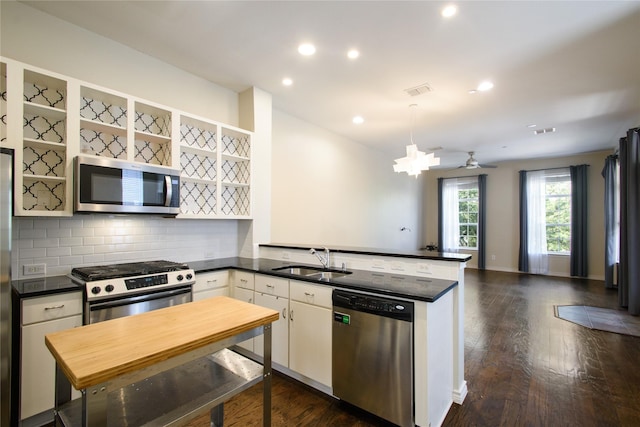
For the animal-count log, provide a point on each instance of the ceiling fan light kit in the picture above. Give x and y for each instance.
(472, 163)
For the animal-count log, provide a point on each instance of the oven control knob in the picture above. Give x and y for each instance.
(95, 290)
(180, 277)
(109, 288)
(189, 276)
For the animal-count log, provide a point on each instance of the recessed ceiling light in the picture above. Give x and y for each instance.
(485, 86)
(353, 54)
(306, 49)
(287, 81)
(358, 120)
(532, 125)
(449, 11)
(472, 91)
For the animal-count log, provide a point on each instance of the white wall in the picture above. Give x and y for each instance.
(39, 39)
(331, 190)
(503, 237)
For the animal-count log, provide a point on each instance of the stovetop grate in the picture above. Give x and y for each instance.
(112, 271)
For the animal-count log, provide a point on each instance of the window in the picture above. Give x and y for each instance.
(558, 213)
(468, 215)
(460, 213)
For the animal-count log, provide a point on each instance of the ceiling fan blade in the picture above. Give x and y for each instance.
(488, 166)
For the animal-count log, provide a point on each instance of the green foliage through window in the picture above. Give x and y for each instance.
(468, 216)
(558, 214)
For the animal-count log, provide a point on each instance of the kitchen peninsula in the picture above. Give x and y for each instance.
(439, 323)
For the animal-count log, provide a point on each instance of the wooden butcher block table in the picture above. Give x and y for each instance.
(163, 367)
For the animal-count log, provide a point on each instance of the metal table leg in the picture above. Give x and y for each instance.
(62, 392)
(94, 406)
(266, 416)
(217, 416)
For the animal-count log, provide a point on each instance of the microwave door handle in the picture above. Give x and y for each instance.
(168, 190)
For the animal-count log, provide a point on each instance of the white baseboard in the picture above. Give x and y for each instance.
(460, 393)
(550, 274)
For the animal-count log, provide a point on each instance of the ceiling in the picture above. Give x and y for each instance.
(569, 65)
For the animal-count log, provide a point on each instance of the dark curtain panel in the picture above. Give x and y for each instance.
(482, 220)
(579, 217)
(523, 256)
(629, 280)
(440, 214)
(609, 172)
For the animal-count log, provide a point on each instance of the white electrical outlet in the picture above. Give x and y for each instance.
(377, 264)
(286, 255)
(493, 257)
(397, 266)
(33, 269)
(423, 268)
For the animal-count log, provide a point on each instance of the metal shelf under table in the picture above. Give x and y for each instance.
(175, 396)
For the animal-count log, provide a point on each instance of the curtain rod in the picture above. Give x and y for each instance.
(551, 169)
(457, 177)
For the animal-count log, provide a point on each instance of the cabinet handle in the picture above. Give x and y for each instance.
(243, 280)
(55, 307)
(251, 300)
(284, 313)
(269, 286)
(291, 315)
(212, 280)
(309, 294)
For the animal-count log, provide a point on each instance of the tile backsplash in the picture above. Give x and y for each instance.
(83, 240)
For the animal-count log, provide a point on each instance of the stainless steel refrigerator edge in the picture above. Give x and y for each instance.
(6, 203)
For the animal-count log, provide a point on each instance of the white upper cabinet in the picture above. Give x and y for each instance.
(48, 119)
(36, 125)
(103, 124)
(216, 170)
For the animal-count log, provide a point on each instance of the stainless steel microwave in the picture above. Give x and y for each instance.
(115, 186)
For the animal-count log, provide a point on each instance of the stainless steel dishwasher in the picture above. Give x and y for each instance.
(373, 354)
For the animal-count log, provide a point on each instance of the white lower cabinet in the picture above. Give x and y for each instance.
(211, 284)
(273, 292)
(310, 331)
(242, 285)
(41, 316)
(301, 337)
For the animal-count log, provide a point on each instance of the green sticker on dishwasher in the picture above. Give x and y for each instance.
(342, 318)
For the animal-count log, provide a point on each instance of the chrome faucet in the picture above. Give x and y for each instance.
(326, 261)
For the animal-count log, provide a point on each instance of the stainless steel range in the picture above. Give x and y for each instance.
(119, 290)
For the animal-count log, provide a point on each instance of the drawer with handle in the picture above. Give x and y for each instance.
(40, 309)
(242, 279)
(272, 285)
(311, 294)
(211, 280)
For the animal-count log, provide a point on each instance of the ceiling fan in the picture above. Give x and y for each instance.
(472, 163)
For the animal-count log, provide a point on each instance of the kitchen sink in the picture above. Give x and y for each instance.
(312, 272)
(328, 275)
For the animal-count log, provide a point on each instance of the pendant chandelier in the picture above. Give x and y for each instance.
(416, 161)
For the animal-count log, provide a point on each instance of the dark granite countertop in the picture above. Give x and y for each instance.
(420, 254)
(388, 284)
(41, 286)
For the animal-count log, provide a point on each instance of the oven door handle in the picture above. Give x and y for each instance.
(101, 305)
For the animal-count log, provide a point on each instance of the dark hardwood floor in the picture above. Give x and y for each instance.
(524, 366)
